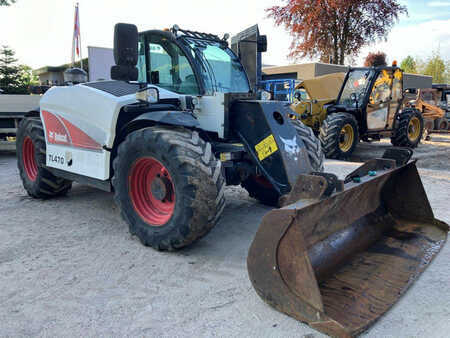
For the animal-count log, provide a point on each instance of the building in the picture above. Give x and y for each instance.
(304, 71)
(54, 76)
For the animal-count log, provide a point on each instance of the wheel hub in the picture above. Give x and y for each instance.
(346, 138)
(413, 129)
(160, 188)
(151, 191)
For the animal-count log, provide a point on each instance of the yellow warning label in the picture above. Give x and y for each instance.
(266, 147)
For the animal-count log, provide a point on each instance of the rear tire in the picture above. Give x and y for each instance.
(441, 124)
(409, 129)
(339, 135)
(31, 156)
(258, 187)
(168, 186)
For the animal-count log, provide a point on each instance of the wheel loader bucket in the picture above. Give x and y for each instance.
(339, 262)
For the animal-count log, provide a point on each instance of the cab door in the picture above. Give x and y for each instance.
(168, 67)
(378, 107)
(396, 97)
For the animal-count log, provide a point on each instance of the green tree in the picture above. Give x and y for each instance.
(409, 65)
(14, 78)
(6, 2)
(435, 67)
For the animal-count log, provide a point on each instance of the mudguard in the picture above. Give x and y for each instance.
(168, 117)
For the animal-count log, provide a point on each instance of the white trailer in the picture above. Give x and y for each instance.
(12, 110)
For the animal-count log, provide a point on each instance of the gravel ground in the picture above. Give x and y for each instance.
(68, 267)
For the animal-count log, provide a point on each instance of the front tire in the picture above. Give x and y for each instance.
(339, 135)
(168, 186)
(409, 129)
(261, 189)
(31, 155)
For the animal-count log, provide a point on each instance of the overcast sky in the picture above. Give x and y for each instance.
(40, 31)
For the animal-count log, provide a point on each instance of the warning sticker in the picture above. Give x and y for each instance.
(266, 147)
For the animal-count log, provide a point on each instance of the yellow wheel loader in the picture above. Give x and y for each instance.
(368, 106)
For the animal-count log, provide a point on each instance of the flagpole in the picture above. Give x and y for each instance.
(73, 38)
(79, 36)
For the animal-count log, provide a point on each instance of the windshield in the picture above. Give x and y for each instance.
(219, 67)
(357, 83)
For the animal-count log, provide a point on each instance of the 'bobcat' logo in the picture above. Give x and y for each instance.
(291, 146)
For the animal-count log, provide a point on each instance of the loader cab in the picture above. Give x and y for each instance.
(189, 63)
(374, 95)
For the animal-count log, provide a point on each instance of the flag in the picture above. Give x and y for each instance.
(76, 31)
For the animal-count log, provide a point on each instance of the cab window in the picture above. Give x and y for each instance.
(381, 91)
(168, 66)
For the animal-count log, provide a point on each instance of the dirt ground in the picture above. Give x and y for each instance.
(68, 267)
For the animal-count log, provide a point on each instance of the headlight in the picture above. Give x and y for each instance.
(150, 94)
(265, 95)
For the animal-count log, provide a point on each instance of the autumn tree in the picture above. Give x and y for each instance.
(334, 29)
(409, 65)
(375, 59)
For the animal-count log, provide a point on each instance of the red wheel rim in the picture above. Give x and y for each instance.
(263, 181)
(151, 191)
(28, 158)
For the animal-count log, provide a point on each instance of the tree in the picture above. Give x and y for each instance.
(375, 59)
(334, 29)
(14, 79)
(409, 65)
(435, 66)
(6, 2)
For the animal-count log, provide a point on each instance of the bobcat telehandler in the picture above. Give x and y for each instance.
(167, 136)
(369, 106)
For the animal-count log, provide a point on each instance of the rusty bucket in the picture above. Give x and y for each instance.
(339, 262)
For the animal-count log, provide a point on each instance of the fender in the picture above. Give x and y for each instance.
(174, 118)
(34, 113)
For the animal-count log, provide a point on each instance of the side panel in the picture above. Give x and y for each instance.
(210, 113)
(79, 122)
(79, 161)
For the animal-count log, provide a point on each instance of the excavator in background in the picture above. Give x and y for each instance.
(428, 101)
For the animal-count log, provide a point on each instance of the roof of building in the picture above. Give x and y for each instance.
(62, 68)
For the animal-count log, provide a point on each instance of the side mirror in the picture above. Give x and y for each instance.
(125, 52)
(262, 43)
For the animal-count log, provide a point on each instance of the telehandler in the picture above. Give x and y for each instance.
(369, 106)
(179, 122)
